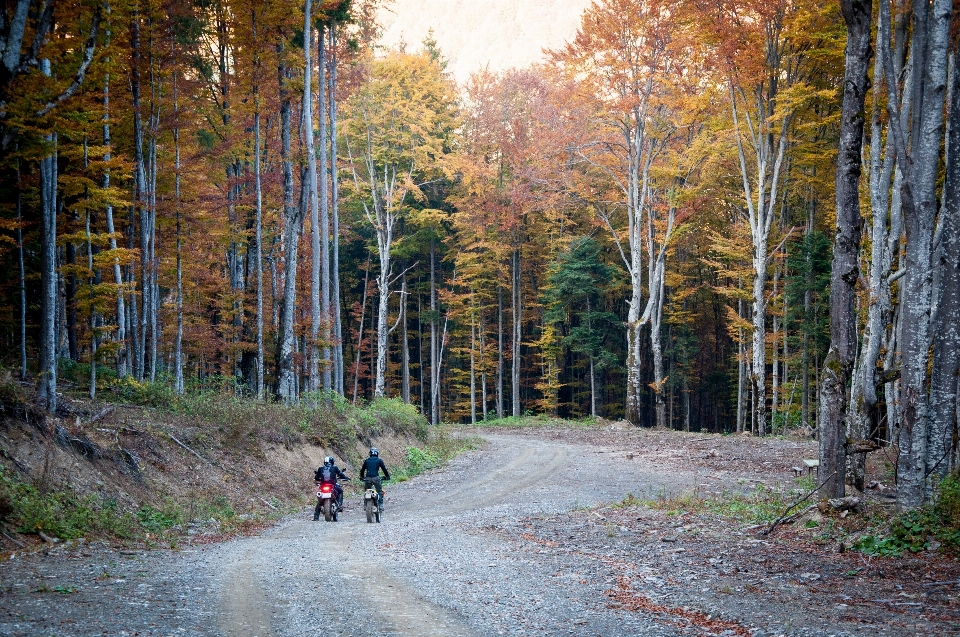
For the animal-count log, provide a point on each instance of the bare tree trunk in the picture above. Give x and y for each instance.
(178, 342)
(383, 313)
(23, 282)
(928, 59)
(434, 349)
(91, 277)
(315, 253)
(517, 335)
(404, 346)
(338, 365)
(946, 349)
(70, 297)
(500, 366)
(483, 367)
(473, 373)
(775, 389)
(327, 373)
(140, 199)
(117, 274)
(286, 376)
(741, 372)
(863, 391)
(258, 258)
(593, 383)
(48, 270)
(133, 315)
(845, 271)
(760, 195)
(420, 349)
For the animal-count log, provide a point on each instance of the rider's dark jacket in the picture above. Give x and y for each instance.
(371, 468)
(335, 470)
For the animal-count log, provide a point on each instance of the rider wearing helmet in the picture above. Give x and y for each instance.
(370, 472)
(329, 472)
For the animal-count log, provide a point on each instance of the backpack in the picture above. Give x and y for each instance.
(326, 474)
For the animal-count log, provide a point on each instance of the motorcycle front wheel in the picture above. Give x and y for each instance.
(368, 507)
(327, 511)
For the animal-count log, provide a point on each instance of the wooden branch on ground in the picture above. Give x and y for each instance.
(784, 515)
(173, 438)
(20, 544)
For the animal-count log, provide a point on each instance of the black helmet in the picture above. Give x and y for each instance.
(328, 460)
(374, 451)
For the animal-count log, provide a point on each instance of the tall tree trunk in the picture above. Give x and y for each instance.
(48, 269)
(593, 383)
(258, 239)
(517, 334)
(338, 365)
(500, 367)
(23, 281)
(70, 297)
(741, 372)
(775, 389)
(863, 392)
(473, 373)
(117, 274)
(404, 345)
(315, 229)
(928, 59)
(946, 349)
(327, 372)
(286, 376)
(91, 277)
(845, 271)
(383, 331)
(483, 367)
(178, 342)
(434, 350)
(140, 201)
(133, 315)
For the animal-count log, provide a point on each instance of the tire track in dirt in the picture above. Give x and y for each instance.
(243, 599)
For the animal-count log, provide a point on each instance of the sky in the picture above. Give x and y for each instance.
(475, 33)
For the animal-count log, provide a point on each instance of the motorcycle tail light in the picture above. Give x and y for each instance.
(326, 488)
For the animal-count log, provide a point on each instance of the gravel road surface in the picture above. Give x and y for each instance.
(458, 552)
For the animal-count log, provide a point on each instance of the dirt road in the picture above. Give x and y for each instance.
(429, 568)
(503, 541)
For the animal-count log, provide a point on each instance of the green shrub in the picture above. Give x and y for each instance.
(399, 416)
(61, 514)
(156, 520)
(912, 531)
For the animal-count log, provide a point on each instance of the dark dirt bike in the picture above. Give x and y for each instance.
(326, 502)
(372, 501)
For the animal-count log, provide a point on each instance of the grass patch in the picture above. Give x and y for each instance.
(761, 506)
(531, 421)
(440, 448)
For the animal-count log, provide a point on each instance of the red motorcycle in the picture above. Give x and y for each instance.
(326, 502)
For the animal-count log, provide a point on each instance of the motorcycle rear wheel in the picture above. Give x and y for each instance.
(327, 511)
(368, 507)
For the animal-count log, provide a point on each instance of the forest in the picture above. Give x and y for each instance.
(729, 216)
